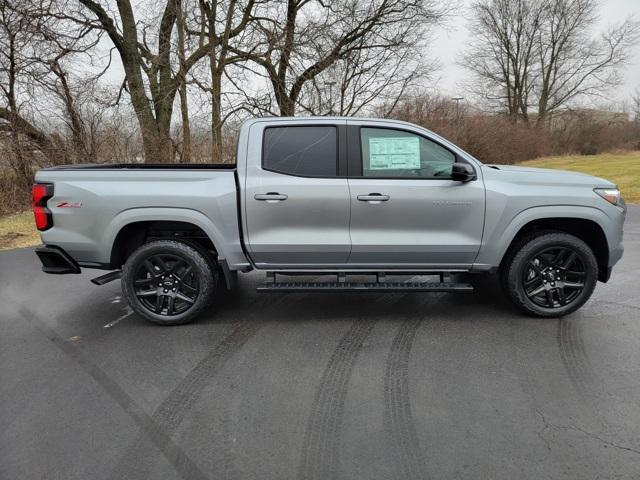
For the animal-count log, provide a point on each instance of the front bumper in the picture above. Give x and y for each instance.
(55, 260)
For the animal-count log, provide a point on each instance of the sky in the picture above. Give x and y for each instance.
(451, 41)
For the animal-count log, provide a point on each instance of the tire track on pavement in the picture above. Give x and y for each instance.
(321, 444)
(136, 462)
(152, 430)
(574, 356)
(398, 417)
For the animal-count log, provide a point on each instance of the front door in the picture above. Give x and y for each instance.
(406, 211)
(297, 208)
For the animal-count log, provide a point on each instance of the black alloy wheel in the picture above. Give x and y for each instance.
(549, 274)
(554, 277)
(169, 282)
(166, 284)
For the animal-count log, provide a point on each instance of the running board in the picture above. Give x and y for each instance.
(364, 287)
(109, 277)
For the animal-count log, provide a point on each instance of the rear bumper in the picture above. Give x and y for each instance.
(55, 260)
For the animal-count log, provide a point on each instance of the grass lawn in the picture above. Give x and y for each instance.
(18, 230)
(622, 169)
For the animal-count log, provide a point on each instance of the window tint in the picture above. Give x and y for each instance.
(304, 151)
(395, 153)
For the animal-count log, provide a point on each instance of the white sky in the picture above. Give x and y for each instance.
(450, 42)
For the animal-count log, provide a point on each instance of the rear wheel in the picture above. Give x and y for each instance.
(550, 274)
(168, 282)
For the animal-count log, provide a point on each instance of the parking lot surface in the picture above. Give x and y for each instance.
(317, 386)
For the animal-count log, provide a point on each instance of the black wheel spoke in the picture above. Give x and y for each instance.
(562, 299)
(570, 259)
(150, 268)
(558, 258)
(182, 276)
(532, 281)
(550, 298)
(163, 266)
(144, 281)
(147, 293)
(536, 291)
(188, 289)
(184, 298)
(554, 277)
(159, 303)
(170, 305)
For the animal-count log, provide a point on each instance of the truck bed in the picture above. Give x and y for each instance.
(93, 203)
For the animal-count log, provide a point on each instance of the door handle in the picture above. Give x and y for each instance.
(270, 197)
(373, 198)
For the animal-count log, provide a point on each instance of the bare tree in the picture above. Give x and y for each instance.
(223, 24)
(572, 63)
(35, 46)
(146, 51)
(504, 52)
(16, 35)
(365, 79)
(294, 47)
(543, 55)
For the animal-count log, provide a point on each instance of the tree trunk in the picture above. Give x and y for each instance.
(216, 111)
(286, 105)
(81, 150)
(185, 153)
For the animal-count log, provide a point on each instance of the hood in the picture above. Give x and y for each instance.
(545, 175)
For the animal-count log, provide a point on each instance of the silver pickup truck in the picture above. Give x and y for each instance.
(363, 201)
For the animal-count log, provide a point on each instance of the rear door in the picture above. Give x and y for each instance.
(406, 211)
(297, 204)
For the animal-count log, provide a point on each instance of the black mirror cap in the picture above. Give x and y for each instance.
(462, 172)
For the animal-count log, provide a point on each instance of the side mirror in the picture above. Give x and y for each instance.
(462, 172)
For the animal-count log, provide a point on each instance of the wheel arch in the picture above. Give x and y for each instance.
(133, 228)
(589, 230)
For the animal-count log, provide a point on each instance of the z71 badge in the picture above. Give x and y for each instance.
(68, 204)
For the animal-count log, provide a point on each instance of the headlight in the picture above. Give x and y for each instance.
(611, 195)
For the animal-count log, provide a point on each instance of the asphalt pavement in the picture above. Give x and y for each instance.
(317, 386)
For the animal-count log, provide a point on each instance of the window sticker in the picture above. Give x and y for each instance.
(394, 153)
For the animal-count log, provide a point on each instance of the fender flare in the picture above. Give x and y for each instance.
(171, 214)
(503, 240)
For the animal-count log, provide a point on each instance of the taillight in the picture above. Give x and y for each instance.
(40, 193)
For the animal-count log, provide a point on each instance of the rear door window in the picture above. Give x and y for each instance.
(304, 151)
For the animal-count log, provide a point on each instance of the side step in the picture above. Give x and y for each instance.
(364, 287)
(109, 277)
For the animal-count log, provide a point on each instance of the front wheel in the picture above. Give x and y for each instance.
(168, 282)
(550, 274)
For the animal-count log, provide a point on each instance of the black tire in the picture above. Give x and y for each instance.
(168, 282)
(549, 274)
